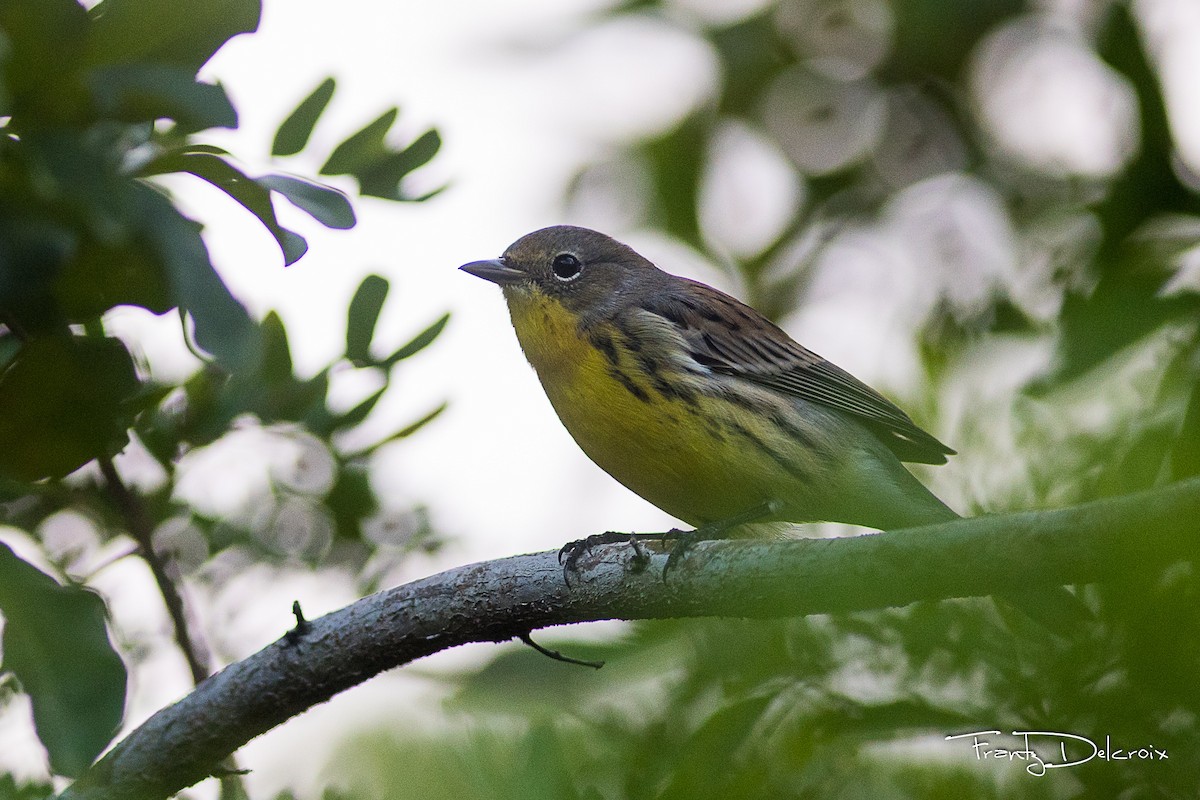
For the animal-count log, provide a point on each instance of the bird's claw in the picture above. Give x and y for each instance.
(684, 541)
(640, 559)
(570, 553)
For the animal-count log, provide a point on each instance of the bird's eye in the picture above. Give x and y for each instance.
(566, 266)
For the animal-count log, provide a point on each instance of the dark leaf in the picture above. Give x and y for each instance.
(43, 44)
(323, 203)
(932, 39)
(223, 327)
(1185, 457)
(351, 500)
(676, 159)
(752, 51)
(149, 92)
(254, 197)
(418, 343)
(56, 643)
(165, 32)
(421, 198)
(275, 393)
(360, 411)
(703, 769)
(361, 149)
(61, 404)
(105, 274)
(412, 428)
(382, 178)
(1126, 305)
(404, 432)
(77, 173)
(293, 133)
(191, 147)
(11, 790)
(378, 166)
(363, 316)
(34, 252)
(10, 345)
(207, 417)
(148, 396)
(277, 355)
(1150, 185)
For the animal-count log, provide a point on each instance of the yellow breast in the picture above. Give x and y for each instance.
(680, 455)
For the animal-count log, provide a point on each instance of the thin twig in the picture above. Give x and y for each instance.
(142, 531)
(302, 625)
(557, 656)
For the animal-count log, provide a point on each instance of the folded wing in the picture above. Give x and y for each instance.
(731, 338)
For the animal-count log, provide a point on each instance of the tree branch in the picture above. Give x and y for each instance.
(142, 531)
(497, 600)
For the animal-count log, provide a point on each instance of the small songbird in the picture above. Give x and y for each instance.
(697, 402)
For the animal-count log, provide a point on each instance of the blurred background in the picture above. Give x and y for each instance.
(986, 210)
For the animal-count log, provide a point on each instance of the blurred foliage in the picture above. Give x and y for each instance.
(95, 103)
(11, 790)
(56, 645)
(867, 102)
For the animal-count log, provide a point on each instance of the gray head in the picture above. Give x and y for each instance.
(588, 272)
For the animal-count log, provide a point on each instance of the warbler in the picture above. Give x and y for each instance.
(697, 402)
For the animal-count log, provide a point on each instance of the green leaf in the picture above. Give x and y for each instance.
(363, 316)
(252, 196)
(325, 204)
(294, 131)
(351, 500)
(277, 354)
(1185, 455)
(11, 790)
(44, 46)
(78, 172)
(404, 432)
(56, 644)
(361, 148)
(702, 770)
(6, 103)
(676, 160)
(192, 147)
(376, 165)
(105, 274)
(163, 31)
(418, 343)
(1126, 305)
(274, 393)
(149, 92)
(383, 178)
(10, 345)
(223, 327)
(359, 412)
(61, 405)
(34, 252)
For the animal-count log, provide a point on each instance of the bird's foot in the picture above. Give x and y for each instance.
(685, 540)
(570, 553)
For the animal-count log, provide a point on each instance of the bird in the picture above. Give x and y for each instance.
(697, 402)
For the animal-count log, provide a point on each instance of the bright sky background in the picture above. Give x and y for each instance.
(500, 473)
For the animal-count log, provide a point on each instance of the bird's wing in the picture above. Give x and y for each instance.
(729, 337)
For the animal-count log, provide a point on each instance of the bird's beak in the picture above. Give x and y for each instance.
(495, 270)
